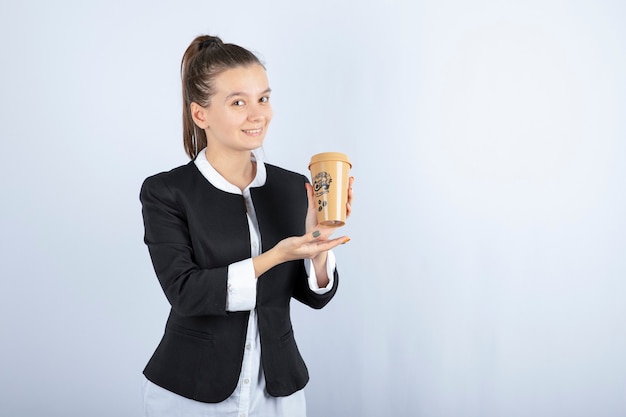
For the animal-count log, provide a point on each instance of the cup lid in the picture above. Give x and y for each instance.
(330, 156)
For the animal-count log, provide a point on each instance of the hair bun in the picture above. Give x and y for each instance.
(209, 42)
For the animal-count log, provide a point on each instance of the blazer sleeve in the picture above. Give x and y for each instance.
(304, 293)
(190, 290)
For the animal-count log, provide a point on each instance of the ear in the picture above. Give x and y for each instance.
(199, 115)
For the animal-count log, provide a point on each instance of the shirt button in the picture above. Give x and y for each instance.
(248, 346)
(246, 381)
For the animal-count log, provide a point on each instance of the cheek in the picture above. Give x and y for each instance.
(234, 121)
(269, 114)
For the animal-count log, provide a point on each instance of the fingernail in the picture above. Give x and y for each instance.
(346, 240)
(316, 233)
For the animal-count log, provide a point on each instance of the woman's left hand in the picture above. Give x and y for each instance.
(311, 218)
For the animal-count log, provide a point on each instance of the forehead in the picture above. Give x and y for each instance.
(250, 80)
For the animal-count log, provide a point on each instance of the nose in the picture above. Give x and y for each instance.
(259, 113)
(255, 117)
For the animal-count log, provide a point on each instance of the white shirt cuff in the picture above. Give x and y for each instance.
(241, 286)
(330, 270)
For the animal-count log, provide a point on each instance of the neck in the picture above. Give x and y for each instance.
(235, 167)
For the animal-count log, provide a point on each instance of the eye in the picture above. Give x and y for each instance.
(264, 99)
(239, 103)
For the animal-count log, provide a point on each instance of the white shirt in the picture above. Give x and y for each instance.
(250, 399)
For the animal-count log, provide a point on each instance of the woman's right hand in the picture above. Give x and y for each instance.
(296, 247)
(307, 246)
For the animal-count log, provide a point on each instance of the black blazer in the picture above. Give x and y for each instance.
(193, 232)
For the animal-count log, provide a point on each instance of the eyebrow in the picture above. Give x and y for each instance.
(240, 93)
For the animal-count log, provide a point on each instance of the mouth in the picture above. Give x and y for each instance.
(257, 131)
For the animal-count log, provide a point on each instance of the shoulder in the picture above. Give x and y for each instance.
(171, 177)
(168, 181)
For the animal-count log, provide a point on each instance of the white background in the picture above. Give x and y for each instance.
(485, 276)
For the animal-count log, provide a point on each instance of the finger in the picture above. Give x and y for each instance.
(324, 232)
(331, 244)
(321, 233)
(350, 197)
(350, 191)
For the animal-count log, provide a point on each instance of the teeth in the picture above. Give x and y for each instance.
(253, 131)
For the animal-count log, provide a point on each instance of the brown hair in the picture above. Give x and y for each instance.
(205, 58)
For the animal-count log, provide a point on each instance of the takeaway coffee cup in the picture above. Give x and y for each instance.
(330, 176)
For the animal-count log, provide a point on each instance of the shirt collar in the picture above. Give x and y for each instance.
(219, 182)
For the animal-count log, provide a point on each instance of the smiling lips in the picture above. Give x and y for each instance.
(253, 131)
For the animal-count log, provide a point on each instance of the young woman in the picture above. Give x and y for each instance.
(232, 240)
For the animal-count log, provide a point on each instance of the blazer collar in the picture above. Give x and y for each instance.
(219, 182)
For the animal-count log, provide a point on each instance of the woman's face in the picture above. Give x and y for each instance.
(240, 111)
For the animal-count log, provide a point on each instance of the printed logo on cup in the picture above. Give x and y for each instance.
(321, 185)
